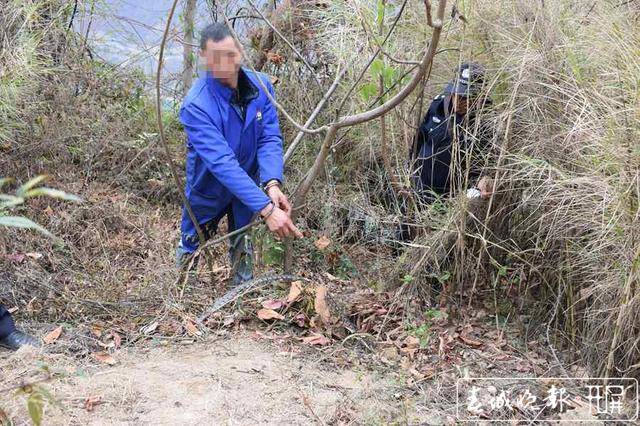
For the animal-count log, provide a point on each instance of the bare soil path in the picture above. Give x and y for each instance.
(235, 381)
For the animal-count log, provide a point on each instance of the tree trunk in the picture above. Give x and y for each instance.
(187, 52)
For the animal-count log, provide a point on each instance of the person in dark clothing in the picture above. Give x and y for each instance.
(10, 336)
(448, 140)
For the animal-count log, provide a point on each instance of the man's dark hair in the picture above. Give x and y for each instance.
(215, 32)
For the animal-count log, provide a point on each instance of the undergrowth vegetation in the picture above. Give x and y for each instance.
(557, 248)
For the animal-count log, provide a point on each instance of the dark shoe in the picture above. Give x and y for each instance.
(17, 339)
(182, 259)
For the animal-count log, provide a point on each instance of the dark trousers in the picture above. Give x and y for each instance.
(6, 323)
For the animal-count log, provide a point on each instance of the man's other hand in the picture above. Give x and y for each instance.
(279, 222)
(279, 199)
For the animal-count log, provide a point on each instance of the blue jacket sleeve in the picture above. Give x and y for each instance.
(270, 159)
(211, 146)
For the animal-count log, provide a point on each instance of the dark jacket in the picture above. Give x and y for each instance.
(6, 323)
(434, 148)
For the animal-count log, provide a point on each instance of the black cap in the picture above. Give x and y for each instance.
(468, 81)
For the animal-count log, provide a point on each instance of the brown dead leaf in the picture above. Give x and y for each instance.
(91, 402)
(117, 340)
(411, 345)
(322, 243)
(294, 291)
(16, 258)
(321, 306)
(53, 335)
(470, 340)
(268, 314)
(104, 358)
(96, 330)
(315, 339)
(274, 304)
(191, 328)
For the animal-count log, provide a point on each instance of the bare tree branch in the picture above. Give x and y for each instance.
(373, 57)
(352, 120)
(265, 89)
(315, 113)
(163, 139)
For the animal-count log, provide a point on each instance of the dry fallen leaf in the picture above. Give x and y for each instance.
(322, 243)
(316, 339)
(272, 304)
(470, 340)
(91, 402)
(191, 328)
(34, 255)
(117, 340)
(96, 330)
(52, 336)
(267, 314)
(104, 358)
(320, 304)
(294, 291)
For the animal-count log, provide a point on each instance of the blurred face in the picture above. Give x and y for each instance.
(222, 59)
(460, 104)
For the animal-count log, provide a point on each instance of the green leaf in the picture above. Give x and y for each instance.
(53, 193)
(380, 13)
(35, 404)
(388, 74)
(376, 67)
(22, 222)
(367, 91)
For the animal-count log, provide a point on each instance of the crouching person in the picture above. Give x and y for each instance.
(449, 140)
(234, 147)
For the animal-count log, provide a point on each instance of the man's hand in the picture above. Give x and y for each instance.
(485, 185)
(279, 222)
(279, 199)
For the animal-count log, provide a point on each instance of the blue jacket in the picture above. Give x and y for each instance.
(227, 158)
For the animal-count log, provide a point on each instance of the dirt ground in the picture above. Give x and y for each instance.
(248, 378)
(236, 381)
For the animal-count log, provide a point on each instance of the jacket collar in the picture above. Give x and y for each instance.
(246, 87)
(225, 93)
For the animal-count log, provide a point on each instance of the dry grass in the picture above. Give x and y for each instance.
(563, 228)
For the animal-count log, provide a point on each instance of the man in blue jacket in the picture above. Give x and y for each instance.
(234, 147)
